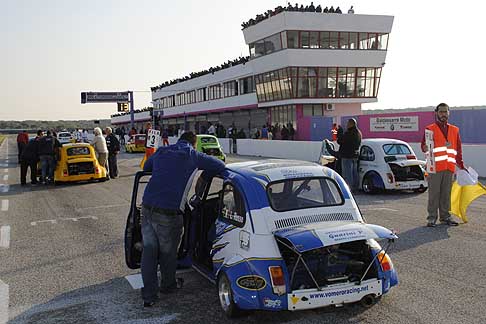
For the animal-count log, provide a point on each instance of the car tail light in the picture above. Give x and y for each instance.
(411, 157)
(97, 170)
(64, 172)
(390, 177)
(278, 280)
(385, 261)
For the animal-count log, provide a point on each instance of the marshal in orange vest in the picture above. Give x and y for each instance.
(445, 149)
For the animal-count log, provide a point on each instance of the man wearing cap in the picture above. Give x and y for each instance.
(447, 154)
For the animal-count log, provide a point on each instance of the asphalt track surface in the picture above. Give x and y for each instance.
(62, 260)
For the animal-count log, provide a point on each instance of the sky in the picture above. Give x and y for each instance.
(52, 50)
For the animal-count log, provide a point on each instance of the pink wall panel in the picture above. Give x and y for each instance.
(424, 118)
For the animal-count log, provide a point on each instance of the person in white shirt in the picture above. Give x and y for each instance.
(99, 144)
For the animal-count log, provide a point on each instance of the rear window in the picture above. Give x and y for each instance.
(208, 140)
(140, 138)
(73, 151)
(396, 149)
(64, 135)
(291, 194)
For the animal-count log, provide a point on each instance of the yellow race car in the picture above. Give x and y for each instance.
(77, 162)
(136, 144)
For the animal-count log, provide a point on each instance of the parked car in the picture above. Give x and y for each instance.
(77, 162)
(209, 144)
(136, 143)
(277, 235)
(390, 164)
(65, 137)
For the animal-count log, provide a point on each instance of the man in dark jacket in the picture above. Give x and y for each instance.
(173, 168)
(47, 149)
(113, 146)
(28, 159)
(349, 152)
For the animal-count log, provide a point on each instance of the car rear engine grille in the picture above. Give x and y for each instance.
(211, 151)
(81, 168)
(316, 218)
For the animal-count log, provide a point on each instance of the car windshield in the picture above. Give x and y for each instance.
(208, 140)
(396, 149)
(64, 135)
(140, 138)
(291, 194)
(73, 151)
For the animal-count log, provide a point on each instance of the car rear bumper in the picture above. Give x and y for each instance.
(407, 185)
(335, 295)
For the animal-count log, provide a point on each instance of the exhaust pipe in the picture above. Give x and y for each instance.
(368, 300)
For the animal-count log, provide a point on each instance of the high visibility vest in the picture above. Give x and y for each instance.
(445, 149)
(334, 133)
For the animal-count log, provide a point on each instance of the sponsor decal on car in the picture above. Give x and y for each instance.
(251, 282)
(329, 294)
(271, 303)
(346, 234)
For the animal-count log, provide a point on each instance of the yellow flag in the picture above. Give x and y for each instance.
(463, 196)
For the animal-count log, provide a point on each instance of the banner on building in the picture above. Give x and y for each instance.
(394, 124)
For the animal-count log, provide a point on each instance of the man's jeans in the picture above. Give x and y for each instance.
(161, 238)
(47, 164)
(350, 172)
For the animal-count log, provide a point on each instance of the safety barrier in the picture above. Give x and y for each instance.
(473, 154)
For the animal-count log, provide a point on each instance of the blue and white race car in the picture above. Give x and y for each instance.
(279, 235)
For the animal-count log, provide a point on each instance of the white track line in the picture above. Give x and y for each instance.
(4, 204)
(4, 295)
(5, 236)
(5, 177)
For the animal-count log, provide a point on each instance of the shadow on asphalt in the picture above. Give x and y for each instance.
(418, 236)
(115, 301)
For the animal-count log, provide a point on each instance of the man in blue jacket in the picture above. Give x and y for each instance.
(173, 169)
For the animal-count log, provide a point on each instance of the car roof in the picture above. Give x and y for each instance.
(378, 141)
(205, 135)
(254, 176)
(68, 145)
(277, 169)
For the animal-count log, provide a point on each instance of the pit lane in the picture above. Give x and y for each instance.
(69, 266)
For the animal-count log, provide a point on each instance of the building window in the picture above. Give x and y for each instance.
(214, 92)
(201, 95)
(230, 89)
(292, 39)
(314, 82)
(247, 85)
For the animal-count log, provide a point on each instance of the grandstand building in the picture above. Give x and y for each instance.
(305, 69)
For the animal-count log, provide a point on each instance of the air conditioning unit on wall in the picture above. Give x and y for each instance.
(329, 106)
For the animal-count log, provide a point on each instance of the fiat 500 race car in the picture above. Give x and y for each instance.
(277, 235)
(390, 164)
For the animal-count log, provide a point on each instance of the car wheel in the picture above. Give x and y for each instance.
(422, 189)
(368, 185)
(225, 294)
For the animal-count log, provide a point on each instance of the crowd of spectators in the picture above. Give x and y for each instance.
(230, 63)
(301, 8)
(135, 111)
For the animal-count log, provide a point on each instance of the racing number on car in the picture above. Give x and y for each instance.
(153, 138)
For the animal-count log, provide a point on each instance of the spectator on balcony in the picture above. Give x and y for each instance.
(351, 10)
(338, 10)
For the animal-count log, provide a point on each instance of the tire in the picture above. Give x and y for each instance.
(225, 294)
(368, 186)
(421, 189)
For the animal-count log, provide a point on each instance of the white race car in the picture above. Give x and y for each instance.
(278, 235)
(390, 164)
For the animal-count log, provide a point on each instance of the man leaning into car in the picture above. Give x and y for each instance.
(447, 154)
(173, 168)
